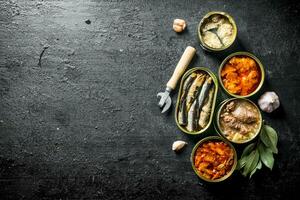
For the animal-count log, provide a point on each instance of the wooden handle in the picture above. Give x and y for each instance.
(185, 59)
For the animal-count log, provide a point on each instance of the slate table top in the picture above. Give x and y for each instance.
(78, 109)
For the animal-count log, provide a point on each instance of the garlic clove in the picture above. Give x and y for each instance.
(269, 102)
(178, 145)
(179, 25)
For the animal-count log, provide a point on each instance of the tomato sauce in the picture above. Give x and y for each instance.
(214, 159)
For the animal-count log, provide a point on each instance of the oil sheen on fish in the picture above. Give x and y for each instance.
(206, 109)
(194, 90)
(182, 113)
(192, 114)
(199, 104)
(204, 91)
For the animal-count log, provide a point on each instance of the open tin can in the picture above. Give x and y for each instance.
(259, 66)
(238, 121)
(215, 32)
(180, 92)
(197, 167)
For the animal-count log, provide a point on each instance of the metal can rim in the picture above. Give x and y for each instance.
(202, 43)
(187, 73)
(208, 139)
(261, 67)
(217, 124)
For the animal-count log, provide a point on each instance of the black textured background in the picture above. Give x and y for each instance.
(78, 109)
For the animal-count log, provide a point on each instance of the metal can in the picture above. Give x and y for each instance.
(204, 20)
(213, 138)
(217, 125)
(215, 81)
(260, 65)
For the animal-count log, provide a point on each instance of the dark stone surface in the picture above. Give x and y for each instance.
(78, 101)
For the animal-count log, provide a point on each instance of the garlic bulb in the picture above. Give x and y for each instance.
(269, 102)
(178, 145)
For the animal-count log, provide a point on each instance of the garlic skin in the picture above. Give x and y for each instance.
(269, 102)
(179, 25)
(178, 145)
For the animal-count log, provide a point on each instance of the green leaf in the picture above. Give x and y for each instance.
(248, 149)
(251, 162)
(256, 154)
(269, 137)
(258, 166)
(264, 137)
(266, 155)
(273, 136)
(242, 161)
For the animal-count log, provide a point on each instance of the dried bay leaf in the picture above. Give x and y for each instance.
(242, 161)
(248, 149)
(251, 162)
(253, 171)
(269, 137)
(258, 166)
(273, 137)
(259, 153)
(266, 155)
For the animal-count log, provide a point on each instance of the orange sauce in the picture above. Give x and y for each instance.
(241, 75)
(214, 159)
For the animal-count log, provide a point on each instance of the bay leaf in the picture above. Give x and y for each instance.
(266, 155)
(251, 162)
(273, 137)
(258, 166)
(264, 137)
(269, 137)
(248, 149)
(242, 161)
